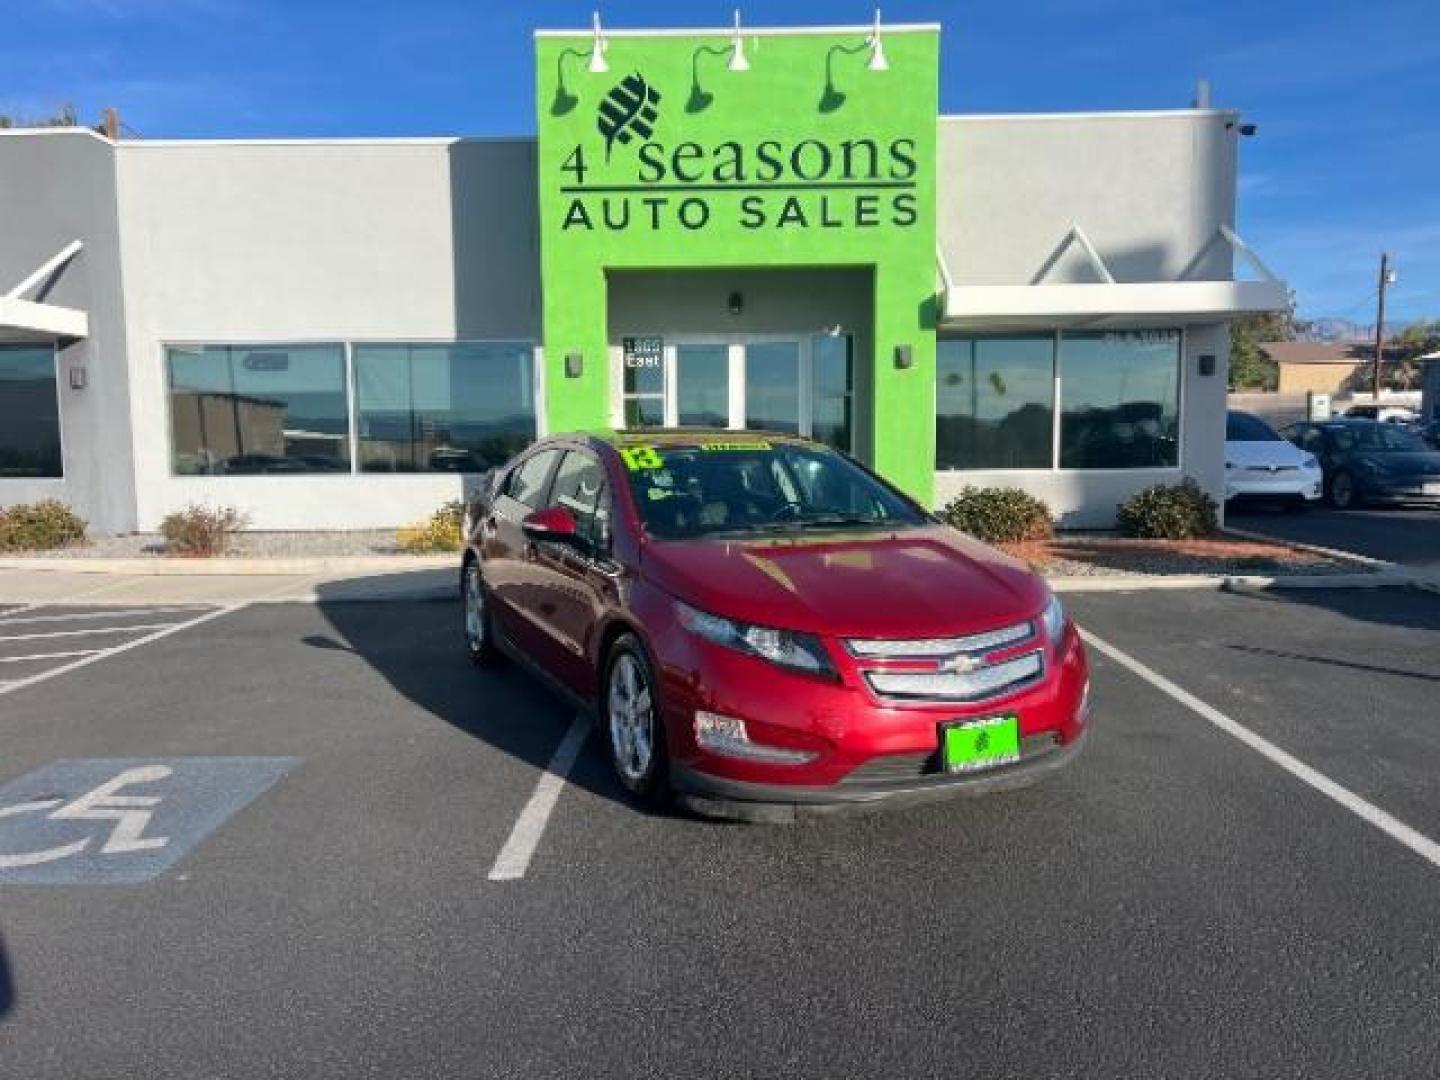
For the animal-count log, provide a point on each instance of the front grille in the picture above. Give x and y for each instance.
(899, 768)
(927, 648)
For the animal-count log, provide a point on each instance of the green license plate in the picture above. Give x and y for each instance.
(967, 745)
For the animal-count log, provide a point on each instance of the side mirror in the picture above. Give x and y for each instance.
(554, 523)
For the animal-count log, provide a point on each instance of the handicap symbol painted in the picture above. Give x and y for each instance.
(120, 821)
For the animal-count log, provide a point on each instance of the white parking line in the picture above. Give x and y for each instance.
(1417, 842)
(47, 656)
(84, 661)
(89, 630)
(6, 618)
(514, 858)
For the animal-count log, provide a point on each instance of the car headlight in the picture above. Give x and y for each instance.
(1053, 618)
(786, 648)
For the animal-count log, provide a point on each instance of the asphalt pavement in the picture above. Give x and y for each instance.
(1409, 536)
(1173, 905)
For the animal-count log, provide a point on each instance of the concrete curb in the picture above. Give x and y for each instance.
(1314, 549)
(1231, 582)
(340, 565)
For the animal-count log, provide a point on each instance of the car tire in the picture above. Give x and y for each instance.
(630, 717)
(479, 631)
(1343, 492)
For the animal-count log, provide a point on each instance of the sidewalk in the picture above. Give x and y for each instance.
(432, 580)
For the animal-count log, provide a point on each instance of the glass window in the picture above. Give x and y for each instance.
(831, 389)
(772, 386)
(463, 407)
(702, 385)
(29, 412)
(643, 391)
(528, 482)
(1242, 427)
(244, 409)
(1120, 394)
(580, 488)
(994, 402)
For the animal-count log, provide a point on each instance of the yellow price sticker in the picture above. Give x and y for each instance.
(640, 457)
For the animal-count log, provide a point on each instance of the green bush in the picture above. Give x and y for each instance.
(201, 531)
(1180, 511)
(439, 534)
(39, 526)
(1000, 515)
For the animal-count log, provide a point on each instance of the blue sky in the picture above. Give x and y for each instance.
(1346, 95)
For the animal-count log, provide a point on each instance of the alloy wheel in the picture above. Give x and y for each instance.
(630, 706)
(474, 610)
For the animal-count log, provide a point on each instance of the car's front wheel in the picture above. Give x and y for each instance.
(479, 637)
(630, 705)
(1344, 495)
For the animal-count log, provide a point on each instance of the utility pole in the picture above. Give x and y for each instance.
(1385, 278)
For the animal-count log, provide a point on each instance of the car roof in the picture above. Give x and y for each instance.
(683, 436)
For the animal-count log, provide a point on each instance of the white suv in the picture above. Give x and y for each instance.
(1259, 464)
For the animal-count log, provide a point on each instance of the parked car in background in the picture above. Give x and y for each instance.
(1386, 414)
(1260, 465)
(761, 625)
(1370, 461)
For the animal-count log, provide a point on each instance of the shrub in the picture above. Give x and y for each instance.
(39, 526)
(1168, 512)
(439, 534)
(200, 531)
(1000, 515)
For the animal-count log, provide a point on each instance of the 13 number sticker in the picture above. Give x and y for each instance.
(640, 457)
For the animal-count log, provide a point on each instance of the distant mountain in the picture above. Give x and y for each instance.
(1333, 329)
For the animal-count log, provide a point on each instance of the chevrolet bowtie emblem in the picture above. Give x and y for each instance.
(960, 665)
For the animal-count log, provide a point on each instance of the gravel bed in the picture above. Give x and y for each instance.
(1106, 555)
(252, 545)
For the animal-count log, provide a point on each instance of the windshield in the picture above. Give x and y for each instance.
(1376, 438)
(1242, 427)
(746, 485)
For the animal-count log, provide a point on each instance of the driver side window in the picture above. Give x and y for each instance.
(580, 487)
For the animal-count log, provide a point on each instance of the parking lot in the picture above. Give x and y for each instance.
(294, 815)
(1407, 535)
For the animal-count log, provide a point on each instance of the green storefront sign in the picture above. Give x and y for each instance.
(809, 159)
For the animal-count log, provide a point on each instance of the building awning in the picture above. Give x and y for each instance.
(32, 320)
(1111, 304)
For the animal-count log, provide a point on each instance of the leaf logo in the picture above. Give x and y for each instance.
(628, 110)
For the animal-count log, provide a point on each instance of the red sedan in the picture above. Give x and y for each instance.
(762, 626)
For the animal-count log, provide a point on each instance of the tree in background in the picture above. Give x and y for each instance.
(64, 116)
(1410, 344)
(1250, 368)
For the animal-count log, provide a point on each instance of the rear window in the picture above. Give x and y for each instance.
(748, 485)
(1242, 427)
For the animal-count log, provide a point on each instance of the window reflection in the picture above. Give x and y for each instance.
(443, 408)
(29, 412)
(995, 400)
(238, 409)
(1121, 399)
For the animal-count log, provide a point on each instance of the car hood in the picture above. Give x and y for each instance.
(1403, 462)
(917, 582)
(1260, 454)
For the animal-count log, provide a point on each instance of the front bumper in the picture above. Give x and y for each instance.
(1302, 484)
(739, 800)
(1400, 491)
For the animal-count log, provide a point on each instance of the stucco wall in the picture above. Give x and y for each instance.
(55, 187)
(1321, 378)
(1149, 189)
(400, 240)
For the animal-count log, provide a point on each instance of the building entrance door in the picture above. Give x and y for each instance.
(800, 384)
